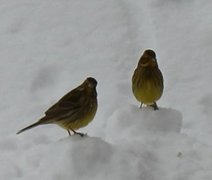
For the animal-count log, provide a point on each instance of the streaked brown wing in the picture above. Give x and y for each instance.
(69, 102)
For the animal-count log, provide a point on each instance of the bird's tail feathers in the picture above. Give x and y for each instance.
(29, 127)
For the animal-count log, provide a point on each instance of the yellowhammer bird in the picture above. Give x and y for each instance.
(147, 80)
(74, 110)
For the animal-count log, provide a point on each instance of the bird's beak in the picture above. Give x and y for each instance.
(153, 62)
(150, 63)
(90, 85)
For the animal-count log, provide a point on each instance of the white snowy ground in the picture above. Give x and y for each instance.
(49, 47)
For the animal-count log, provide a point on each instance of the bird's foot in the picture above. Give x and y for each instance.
(154, 105)
(81, 134)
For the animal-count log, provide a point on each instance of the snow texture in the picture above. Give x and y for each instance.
(49, 47)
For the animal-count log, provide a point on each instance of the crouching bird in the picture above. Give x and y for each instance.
(74, 110)
(147, 80)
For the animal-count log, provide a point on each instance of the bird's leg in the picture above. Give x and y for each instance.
(69, 132)
(81, 134)
(154, 105)
(141, 105)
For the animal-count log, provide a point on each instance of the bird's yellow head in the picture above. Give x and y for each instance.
(90, 82)
(149, 53)
(89, 85)
(148, 59)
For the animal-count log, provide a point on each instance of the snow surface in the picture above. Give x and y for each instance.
(49, 47)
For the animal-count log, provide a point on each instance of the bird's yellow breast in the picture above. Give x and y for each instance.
(147, 86)
(84, 121)
(81, 122)
(148, 92)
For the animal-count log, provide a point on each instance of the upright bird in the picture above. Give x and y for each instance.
(74, 110)
(147, 80)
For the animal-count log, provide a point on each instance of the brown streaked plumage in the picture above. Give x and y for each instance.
(74, 110)
(147, 80)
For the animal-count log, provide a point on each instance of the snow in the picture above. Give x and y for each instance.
(49, 47)
(134, 122)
